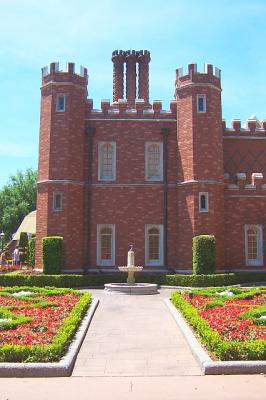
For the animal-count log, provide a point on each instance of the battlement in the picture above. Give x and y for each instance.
(240, 183)
(122, 109)
(55, 74)
(251, 127)
(210, 75)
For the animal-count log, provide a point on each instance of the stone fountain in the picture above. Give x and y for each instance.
(131, 287)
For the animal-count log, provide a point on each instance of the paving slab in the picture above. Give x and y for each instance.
(134, 336)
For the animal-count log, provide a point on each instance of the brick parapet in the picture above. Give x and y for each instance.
(210, 76)
(251, 128)
(52, 73)
(124, 109)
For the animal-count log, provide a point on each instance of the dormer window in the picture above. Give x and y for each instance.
(201, 103)
(60, 102)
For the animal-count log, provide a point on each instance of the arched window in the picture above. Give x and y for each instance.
(154, 241)
(254, 245)
(203, 202)
(105, 244)
(107, 161)
(154, 161)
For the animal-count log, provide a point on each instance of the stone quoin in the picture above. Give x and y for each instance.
(133, 173)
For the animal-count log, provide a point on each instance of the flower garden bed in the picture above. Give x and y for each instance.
(231, 323)
(37, 324)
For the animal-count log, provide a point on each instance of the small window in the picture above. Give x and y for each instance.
(253, 245)
(201, 103)
(154, 244)
(154, 161)
(105, 245)
(107, 161)
(203, 202)
(57, 201)
(60, 103)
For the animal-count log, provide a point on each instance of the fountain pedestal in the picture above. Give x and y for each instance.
(131, 287)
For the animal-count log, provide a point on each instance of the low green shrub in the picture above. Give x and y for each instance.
(224, 350)
(99, 279)
(52, 254)
(203, 254)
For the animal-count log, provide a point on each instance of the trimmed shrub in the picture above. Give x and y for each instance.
(31, 251)
(52, 254)
(99, 279)
(204, 254)
(23, 246)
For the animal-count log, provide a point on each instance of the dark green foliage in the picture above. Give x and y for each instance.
(31, 251)
(92, 280)
(204, 254)
(52, 254)
(17, 199)
(224, 350)
(23, 246)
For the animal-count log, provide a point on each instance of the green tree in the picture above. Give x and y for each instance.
(17, 199)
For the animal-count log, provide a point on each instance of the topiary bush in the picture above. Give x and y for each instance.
(52, 254)
(31, 252)
(23, 246)
(204, 254)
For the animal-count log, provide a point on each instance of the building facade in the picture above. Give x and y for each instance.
(133, 173)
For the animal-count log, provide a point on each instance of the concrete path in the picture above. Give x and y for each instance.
(134, 336)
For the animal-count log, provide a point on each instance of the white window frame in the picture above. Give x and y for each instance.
(56, 193)
(259, 261)
(160, 176)
(206, 209)
(160, 261)
(58, 109)
(100, 161)
(201, 96)
(101, 262)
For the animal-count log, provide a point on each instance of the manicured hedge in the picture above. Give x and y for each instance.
(52, 254)
(69, 280)
(31, 251)
(224, 350)
(203, 254)
(56, 349)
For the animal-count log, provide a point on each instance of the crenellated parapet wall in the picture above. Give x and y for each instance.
(252, 127)
(124, 109)
(53, 73)
(210, 75)
(240, 184)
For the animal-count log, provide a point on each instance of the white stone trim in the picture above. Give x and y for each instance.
(259, 261)
(148, 262)
(101, 262)
(203, 97)
(132, 119)
(206, 209)
(244, 137)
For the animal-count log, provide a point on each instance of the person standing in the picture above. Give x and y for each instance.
(3, 258)
(15, 257)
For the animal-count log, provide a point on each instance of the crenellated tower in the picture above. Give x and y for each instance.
(61, 186)
(200, 156)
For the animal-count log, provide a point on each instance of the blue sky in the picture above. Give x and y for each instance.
(229, 34)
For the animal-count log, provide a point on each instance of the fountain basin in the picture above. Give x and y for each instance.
(133, 289)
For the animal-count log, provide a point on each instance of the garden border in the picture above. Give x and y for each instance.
(207, 365)
(61, 368)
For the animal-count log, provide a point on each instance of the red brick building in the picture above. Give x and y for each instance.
(132, 173)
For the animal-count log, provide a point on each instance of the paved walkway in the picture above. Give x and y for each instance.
(134, 336)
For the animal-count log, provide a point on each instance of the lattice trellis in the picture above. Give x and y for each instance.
(247, 162)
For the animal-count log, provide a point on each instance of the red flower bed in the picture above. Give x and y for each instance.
(225, 318)
(45, 319)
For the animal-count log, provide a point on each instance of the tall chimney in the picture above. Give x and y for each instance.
(143, 83)
(118, 58)
(131, 75)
